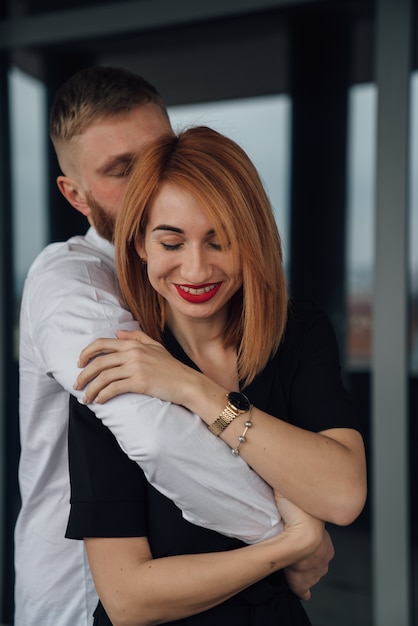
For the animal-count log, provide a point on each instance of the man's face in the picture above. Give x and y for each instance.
(104, 154)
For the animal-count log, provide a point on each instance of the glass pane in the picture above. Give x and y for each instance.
(28, 146)
(360, 224)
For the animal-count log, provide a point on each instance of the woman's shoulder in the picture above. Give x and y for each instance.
(308, 332)
(304, 316)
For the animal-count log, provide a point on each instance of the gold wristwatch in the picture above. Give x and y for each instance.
(237, 403)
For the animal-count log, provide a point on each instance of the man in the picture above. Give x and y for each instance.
(100, 120)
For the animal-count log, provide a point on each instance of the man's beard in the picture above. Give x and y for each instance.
(103, 222)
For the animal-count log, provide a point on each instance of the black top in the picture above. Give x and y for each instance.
(110, 496)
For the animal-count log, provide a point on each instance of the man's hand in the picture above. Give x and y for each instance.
(305, 574)
(132, 363)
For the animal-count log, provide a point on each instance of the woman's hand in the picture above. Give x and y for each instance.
(134, 363)
(305, 530)
(303, 575)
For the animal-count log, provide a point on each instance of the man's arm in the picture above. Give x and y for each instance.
(72, 300)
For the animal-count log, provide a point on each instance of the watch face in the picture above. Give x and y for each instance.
(240, 401)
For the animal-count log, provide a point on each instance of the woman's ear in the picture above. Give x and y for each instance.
(140, 249)
(71, 192)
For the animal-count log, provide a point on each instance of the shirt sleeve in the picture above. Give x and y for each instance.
(108, 490)
(73, 299)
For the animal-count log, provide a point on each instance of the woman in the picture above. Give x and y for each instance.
(200, 266)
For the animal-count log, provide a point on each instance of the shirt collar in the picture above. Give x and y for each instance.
(93, 237)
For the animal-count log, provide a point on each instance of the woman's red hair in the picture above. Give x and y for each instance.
(221, 177)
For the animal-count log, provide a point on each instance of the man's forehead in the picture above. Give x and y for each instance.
(142, 116)
(117, 134)
(118, 139)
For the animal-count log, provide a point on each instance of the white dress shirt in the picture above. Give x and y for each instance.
(71, 298)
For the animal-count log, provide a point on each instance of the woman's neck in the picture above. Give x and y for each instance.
(202, 341)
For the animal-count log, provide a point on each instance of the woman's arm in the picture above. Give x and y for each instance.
(137, 590)
(323, 473)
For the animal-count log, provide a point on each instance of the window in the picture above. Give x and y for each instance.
(360, 225)
(28, 145)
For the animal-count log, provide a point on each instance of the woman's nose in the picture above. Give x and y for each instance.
(196, 267)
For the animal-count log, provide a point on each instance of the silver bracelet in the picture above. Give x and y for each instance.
(242, 438)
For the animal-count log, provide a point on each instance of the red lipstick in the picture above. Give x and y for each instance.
(198, 293)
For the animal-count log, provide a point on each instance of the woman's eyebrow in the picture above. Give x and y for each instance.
(175, 229)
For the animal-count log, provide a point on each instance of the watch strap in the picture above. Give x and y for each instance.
(227, 416)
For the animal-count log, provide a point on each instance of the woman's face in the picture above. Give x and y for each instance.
(186, 263)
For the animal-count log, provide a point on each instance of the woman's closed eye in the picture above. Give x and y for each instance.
(171, 246)
(177, 245)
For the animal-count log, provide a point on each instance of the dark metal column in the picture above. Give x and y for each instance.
(8, 364)
(319, 80)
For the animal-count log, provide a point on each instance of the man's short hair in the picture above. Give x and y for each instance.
(94, 93)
